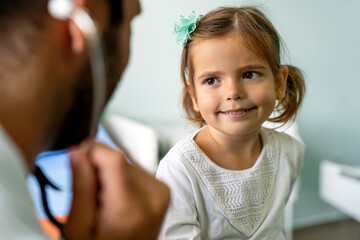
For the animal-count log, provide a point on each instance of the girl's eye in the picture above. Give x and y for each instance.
(211, 81)
(250, 75)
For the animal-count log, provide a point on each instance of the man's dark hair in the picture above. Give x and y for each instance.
(32, 10)
(22, 20)
(20, 24)
(37, 9)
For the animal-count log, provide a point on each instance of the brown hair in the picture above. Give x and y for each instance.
(22, 23)
(260, 36)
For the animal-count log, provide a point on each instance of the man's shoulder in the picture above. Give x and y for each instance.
(18, 219)
(10, 155)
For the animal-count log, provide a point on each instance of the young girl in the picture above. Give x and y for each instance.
(231, 178)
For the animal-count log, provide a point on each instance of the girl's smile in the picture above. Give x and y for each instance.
(238, 113)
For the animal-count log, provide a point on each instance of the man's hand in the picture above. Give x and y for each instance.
(113, 199)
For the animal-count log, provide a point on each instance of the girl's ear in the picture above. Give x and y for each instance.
(193, 98)
(281, 83)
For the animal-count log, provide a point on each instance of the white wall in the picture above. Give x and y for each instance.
(322, 38)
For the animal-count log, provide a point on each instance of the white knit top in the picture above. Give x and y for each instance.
(210, 202)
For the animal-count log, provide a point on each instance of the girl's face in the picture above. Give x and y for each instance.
(235, 90)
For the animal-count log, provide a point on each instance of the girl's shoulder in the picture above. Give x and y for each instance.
(286, 141)
(178, 156)
(290, 150)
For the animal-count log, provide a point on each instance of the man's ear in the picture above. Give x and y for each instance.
(281, 83)
(61, 14)
(193, 97)
(76, 37)
(98, 11)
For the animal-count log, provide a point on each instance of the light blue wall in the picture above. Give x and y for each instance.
(322, 38)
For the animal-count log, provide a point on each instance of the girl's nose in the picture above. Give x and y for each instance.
(234, 91)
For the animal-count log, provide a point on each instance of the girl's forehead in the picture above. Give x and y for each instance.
(224, 49)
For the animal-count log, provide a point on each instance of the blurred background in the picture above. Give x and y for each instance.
(321, 37)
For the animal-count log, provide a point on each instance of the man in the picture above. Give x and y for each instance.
(45, 104)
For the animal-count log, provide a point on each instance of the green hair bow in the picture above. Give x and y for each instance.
(185, 26)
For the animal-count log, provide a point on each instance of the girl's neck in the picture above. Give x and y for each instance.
(230, 152)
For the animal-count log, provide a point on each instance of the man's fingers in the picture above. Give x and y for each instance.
(82, 216)
(157, 195)
(129, 194)
(112, 169)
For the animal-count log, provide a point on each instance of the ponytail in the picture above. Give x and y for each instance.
(295, 91)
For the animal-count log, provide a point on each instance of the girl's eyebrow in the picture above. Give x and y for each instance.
(209, 74)
(252, 66)
(240, 69)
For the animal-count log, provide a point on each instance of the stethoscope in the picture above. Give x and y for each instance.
(64, 10)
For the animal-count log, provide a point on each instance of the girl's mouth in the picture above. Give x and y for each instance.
(236, 113)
